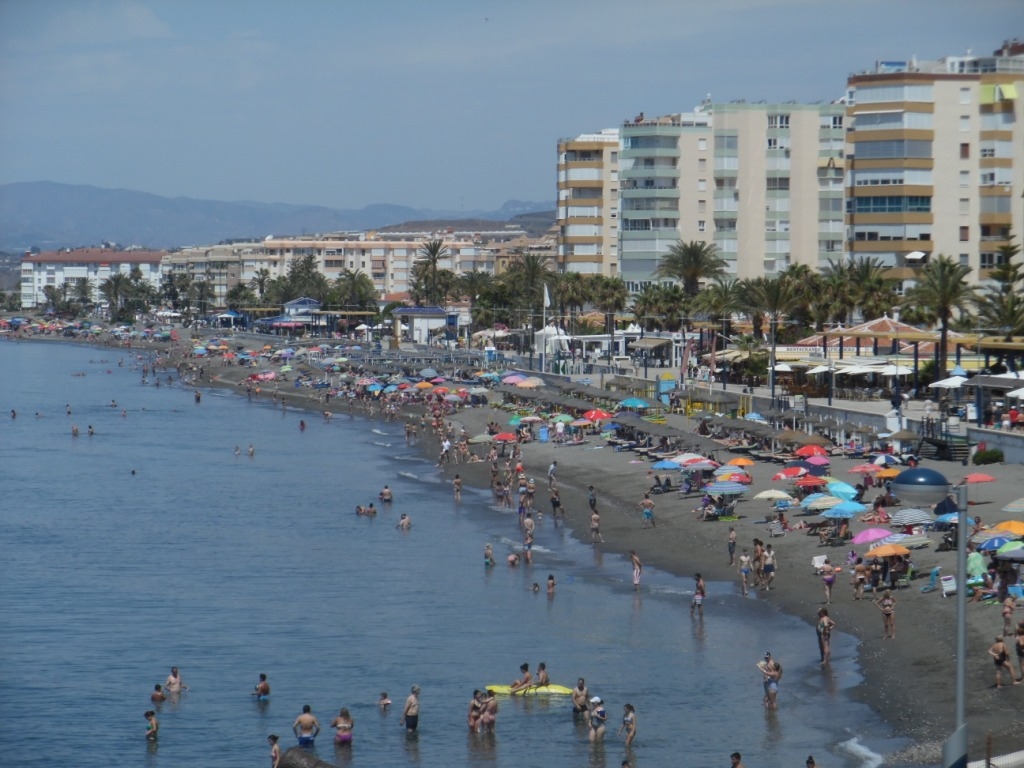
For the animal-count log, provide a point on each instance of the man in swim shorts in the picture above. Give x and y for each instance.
(699, 593)
(174, 683)
(306, 727)
(262, 689)
(411, 712)
(580, 697)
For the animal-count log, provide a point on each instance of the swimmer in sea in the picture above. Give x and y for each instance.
(513, 560)
(306, 727)
(383, 702)
(152, 726)
(488, 555)
(275, 750)
(157, 695)
(238, 451)
(252, 451)
(385, 495)
(262, 689)
(457, 488)
(476, 707)
(343, 725)
(535, 588)
(403, 522)
(551, 583)
(174, 683)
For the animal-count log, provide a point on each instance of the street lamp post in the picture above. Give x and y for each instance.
(771, 363)
(831, 380)
(954, 750)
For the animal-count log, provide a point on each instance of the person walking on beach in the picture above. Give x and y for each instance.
(731, 545)
(887, 605)
(828, 578)
(556, 504)
(552, 472)
(592, 499)
(1001, 656)
(595, 528)
(647, 511)
(824, 630)
(745, 568)
(638, 567)
(699, 593)
(770, 563)
(411, 711)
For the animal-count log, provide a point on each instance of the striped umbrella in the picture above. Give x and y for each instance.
(726, 488)
(825, 502)
(1015, 506)
(911, 517)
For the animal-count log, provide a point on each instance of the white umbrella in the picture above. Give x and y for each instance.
(1016, 393)
(818, 369)
(783, 367)
(896, 370)
(953, 382)
(773, 493)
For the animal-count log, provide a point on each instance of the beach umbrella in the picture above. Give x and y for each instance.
(286, 368)
(504, 437)
(736, 477)
(726, 488)
(773, 494)
(634, 402)
(887, 474)
(440, 391)
(596, 414)
(700, 466)
(725, 469)
(888, 550)
(428, 373)
(515, 378)
(911, 517)
(565, 418)
(836, 513)
(818, 461)
(885, 459)
(514, 421)
(1015, 527)
(1010, 546)
(480, 439)
(423, 385)
(978, 477)
(682, 458)
(789, 473)
(586, 423)
(822, 503)
(1017, 505)
(375, 387)
(479, 391)
(818, 440)
(853, 507)
(754, 417)
(953, 382)
(452, 398)
(869, 535)
(994, 543)
(664, 464)
(531, 383)
(810, 481)
(810, 450)
(842, 490)
(1013, 556)
(865, 469)
(742, 461)
(525, 419)
(949, 517)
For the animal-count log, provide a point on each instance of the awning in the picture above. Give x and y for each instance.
(649, 343)
(988, 94)
(1006, 92)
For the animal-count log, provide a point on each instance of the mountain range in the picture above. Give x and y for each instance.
(48, 215)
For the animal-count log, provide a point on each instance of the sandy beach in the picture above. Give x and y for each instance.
(909, 680)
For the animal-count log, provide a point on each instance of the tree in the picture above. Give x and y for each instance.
(202, 293)
(84, 290)
(525, 279)
(719, 301)
(690, 263)
(425, 270)
(240, 295)
(355, 290)
(473, 285)
(260, 281)
(942, 289)
(610, 297)
(1002, 306)
(116, 289)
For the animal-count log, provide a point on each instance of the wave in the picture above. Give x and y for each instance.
(382, 445)
(866, 758)
(379, 432)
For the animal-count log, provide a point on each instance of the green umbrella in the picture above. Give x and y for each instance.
(514, 421)
(1010, 546)
(563, 417)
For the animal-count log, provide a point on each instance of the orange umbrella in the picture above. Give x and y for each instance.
(810, 450)
(1012, 526)
(887, 474)
(810, 482)
(742, 461)
(423, 385)
(887, 550)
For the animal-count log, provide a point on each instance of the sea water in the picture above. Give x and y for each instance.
(151, 544)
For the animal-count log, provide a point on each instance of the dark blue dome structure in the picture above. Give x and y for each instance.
(920, 487)
(921, 476)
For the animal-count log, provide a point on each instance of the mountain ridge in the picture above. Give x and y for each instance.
(50, 215)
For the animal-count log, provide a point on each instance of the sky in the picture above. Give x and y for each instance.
(440, 104)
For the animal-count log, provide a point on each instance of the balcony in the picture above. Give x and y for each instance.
(654, 172)
(644, 152)
(635, 192)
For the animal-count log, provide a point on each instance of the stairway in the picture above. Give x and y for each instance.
(948, 447)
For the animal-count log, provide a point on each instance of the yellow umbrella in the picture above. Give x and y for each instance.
(742, 461)
(887, 474)
(887, 550)
(1011, 526)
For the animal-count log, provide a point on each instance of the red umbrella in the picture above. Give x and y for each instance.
(504, 437)
(810, 482)
(818, 461)
(597, 415)
(810, 450)
(978, 477)
(790, 473)
(865, 469)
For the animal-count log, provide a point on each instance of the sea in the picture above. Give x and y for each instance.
(150, 543)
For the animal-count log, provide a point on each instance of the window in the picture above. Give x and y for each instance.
(965, 260)
(702, 145)
(702, 164)
(773, 142)
(726, 143)
(965, 151)
(965, 234)
(990, 260)
(702, 225)
(965, 95)
(995, 204)
(965, 122)
(614, 157)
(885, 93)
(891, 204)
(781, 184)
(834, 122)
(778, 121)
(881, 150)
(892, 120)
(964, 206)
(725, 225)
(702, 205)
(965, 178)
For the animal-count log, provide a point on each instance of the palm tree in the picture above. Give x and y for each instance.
(355, 289)
(526, 277)
(774, 298)
(430, 255)
(690, 263)
(942, 288)
(473, 285)
(873, 292)
(260, 281)
(202, 293)
(115, 290)
(240, 295)
(84, 289)
(610, 297)
(719, 301)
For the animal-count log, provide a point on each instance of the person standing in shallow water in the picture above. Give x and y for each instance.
(638, 568)
(411, 712)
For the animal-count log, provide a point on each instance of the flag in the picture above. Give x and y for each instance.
(711, 374)
(684, 366)
(547, 297)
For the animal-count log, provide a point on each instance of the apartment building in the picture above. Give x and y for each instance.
(762, 182)
(222, 266)
(75, 265)
(935, 160)
(588, 204)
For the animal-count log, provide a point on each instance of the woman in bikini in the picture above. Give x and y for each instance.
(745, 569)
(476, 710)
(343, 726)
(887, 605)
(628, 724)
(489, 715)
(1001, 658)
(825, 627)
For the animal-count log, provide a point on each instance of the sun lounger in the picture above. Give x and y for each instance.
(775, 529)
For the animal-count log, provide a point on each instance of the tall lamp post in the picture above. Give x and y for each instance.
(954, 749)
(831, 380)
(771, 362)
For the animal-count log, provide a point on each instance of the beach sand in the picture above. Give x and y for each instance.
(909, 680)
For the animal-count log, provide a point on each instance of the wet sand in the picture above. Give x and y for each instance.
(909, 680)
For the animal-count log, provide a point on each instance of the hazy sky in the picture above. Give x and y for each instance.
(428, 103)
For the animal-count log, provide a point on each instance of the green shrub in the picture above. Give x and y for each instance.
(991, 456)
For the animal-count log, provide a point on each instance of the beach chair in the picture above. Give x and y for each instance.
(818, 563)
(904, 580)
(775, 529)
(948, 584)
(933, 582)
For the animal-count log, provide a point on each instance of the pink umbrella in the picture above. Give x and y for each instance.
(869, 535)
(865, 469)
(789, 473)
(818, 461)
(701, 464)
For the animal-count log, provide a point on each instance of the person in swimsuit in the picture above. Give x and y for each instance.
(699, 593)
(457, 488)
(153, 726)
(638, 568)
(580, 695)
(542, 675)
(525, 681)
(824, 628)
(275, 750)
(598, 719)
(1009, 605)
(343, 725)
(488, 555)
(157, 695)
(828, 578)
(551, 584)
(746, 568)
(595, 527)
(628, 724)
(174, 683)
(383, 702)
(768, 566)
(1001, 658)
(647, 511)
(262, 689)
(306, 727)
(860, 578)
(887, 605)
(411, 711)
(476, 707)
(489, 716)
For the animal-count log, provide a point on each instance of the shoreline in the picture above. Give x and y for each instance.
(908, 681)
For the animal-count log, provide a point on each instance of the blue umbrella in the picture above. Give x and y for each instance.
(665, 465)
(391, 388)
(884, 459)
(754, 417)
(428, 373)
(993, 544)
(611, 425)
(634, 402)
(949, 517)
(812, 497)
(726, 488)
(836, 513)
(375, 388)
(849, 506)
(199, 351)
(843, 490)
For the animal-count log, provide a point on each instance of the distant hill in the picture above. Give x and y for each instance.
(48, 215)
